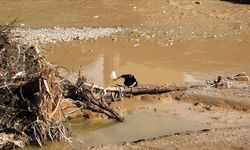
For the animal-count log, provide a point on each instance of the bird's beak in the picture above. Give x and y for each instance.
(117, 78)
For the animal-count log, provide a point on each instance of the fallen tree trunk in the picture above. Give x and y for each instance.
(142, 89)
(157, 89)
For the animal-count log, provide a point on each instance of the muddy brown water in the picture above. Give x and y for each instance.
(140, 125)
(151, 62)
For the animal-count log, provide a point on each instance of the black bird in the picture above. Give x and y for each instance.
(129, 80)
(218, 82)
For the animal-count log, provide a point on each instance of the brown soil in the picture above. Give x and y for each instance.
(226, 138)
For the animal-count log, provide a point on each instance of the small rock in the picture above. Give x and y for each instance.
(22, 25)
(114, 39)
(96, 16)
(163, 11)
(135, 45)
(76, 38)
(197, 2)
(147, 37)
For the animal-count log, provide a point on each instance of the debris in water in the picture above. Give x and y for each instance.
(135, 45)
(239, 77)
(113, 75)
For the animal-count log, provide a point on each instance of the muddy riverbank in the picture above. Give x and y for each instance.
(151, 116)
(226, 138)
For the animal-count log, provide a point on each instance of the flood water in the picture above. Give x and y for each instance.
(152, 63)
(140, 125)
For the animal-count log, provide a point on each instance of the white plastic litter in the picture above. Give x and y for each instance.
(113, 75)
(19, 75)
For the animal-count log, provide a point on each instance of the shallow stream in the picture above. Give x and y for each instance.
(139, 125)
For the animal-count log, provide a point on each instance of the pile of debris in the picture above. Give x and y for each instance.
(30, 96)
(31, 92)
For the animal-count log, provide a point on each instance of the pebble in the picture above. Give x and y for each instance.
(114, 39)
(135, 45)
(147, 37)
(197, 2)
(57, 34)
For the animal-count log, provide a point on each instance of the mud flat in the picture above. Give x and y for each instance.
(170, 20)
(226, 138)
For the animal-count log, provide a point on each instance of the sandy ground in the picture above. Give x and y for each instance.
(170, 21)
(226, 138)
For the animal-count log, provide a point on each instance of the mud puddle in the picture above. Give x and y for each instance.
(151, 62)
(147, 120)
(141, 124)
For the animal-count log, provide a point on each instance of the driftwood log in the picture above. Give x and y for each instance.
(157, 89)
(142, 89)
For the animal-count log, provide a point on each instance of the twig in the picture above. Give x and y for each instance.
(57, 106)
(74, 110)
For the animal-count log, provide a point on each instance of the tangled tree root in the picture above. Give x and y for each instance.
(31, 92)
(29, 96)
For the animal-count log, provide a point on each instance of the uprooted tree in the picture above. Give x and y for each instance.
(31, 92)
(30, 95)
